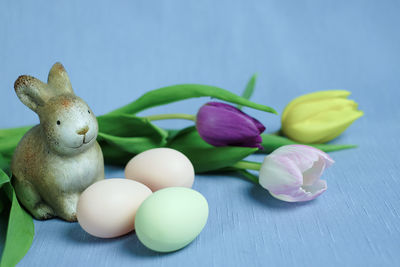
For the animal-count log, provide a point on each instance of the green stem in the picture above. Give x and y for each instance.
(247, 165)
(181, 116)
(249, 176)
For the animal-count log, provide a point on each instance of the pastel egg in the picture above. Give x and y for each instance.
(107, 208)
(160, 168)
(171, 218)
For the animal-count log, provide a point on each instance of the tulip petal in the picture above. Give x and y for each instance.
(314, 96)
(231, 125)
(324, 127)
(280, 175)
(220, 124)
(309, 149)
(303, 156)
(316, 188)
(301, 194)
(311, 175)
(250, 142)
(319, 117)
(308, 110)
(291, 173)
(258, 124)
(351, 117)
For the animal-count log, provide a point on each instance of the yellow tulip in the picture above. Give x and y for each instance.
(319, 117)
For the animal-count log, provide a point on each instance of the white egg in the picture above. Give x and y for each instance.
(107, 208)
(160, 168)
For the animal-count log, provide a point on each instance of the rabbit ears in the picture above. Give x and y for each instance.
(34, 93)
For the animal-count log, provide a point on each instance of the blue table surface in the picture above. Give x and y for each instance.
(114, 53)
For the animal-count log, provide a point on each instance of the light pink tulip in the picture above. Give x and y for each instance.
(292, 173)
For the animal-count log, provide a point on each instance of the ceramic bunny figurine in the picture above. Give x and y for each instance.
(59, 158)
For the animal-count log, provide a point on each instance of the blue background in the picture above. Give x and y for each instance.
(116, 52)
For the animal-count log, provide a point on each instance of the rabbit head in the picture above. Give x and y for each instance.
(68, 124)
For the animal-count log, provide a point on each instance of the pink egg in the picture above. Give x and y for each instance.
(160, 168)
(108, 208)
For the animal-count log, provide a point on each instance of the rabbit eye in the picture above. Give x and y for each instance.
(88, 111)
(58, 122)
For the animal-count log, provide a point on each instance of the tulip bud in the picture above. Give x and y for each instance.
(319, 117)
(292, 173)
(221, 124)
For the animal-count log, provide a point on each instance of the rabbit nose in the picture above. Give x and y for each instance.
(83, 131)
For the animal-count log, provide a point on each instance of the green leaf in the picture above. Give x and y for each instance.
(175, 93)
(114, 155)
(14, 132)
(171, 134)
(9, 139)
(132, 145)
(248, 92)
(125, 125)
(206, 157)
(3, 178)
(20, 230)
(121, 136)
(332, 148)
(271, 142)
(4, 165)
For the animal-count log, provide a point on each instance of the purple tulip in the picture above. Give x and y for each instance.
(221, 124)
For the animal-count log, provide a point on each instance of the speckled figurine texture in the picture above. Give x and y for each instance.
(59, 158)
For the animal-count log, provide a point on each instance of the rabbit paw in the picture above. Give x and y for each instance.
(42, 212)
(68, 205)
(70, 217)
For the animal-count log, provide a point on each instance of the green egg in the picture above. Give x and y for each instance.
(171, 218)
